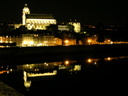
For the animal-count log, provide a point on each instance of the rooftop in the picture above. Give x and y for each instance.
(39, 16)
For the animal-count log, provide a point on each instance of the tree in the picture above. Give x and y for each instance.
(71, 27)
(53, 28)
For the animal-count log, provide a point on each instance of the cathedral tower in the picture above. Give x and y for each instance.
(25, 11)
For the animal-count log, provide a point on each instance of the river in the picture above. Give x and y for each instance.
(68, 77)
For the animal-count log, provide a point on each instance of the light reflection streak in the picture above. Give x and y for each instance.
(92, 61)
(49, 66)
(66, 62)
(89, 60)
(35, 70)
(3, 71)
(110, 58)
(42, 74)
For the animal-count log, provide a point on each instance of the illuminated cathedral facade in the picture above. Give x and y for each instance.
(41, 21)
(36, 21)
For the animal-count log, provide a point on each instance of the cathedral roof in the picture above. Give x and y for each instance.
(39, 16)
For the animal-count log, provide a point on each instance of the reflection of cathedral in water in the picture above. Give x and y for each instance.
(46, 71)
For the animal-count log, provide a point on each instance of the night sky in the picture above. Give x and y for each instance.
(85, 11)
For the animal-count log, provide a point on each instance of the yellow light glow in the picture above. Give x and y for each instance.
(77, 68)
(24, 42)
(1, 72)
(7, 72)
(27, 84)
(66, 41)
(89, 40)
(111, 42)
(85, 32)
(108, 40)
(95, 63)
(66, 62)
(89, 60)
(109, 58)
(42, 74)
(31, 42)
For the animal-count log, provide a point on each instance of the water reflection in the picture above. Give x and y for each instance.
(92, 61)
(51, 66)
(51, 70)
(111, 58)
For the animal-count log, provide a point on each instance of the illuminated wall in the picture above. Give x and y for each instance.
(11, 39)
(39, 24)
(40, 40)
(57, 41)
(77, 26)
(36, 21)
(26, 40)
(63, 28)
(25, 11)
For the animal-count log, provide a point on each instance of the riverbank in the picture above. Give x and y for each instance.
(55, 53)
(20, 51)
(6, 90)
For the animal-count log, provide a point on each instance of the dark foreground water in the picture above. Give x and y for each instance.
(80, 77)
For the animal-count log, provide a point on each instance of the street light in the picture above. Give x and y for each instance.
(66, 41)
(89, 41)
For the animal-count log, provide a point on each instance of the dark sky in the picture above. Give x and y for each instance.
(85, 11)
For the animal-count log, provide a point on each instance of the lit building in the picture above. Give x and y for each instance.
(45, 39)
(36, 21)
(31, 39)
(11, 39)
(63, 28)
(77, 26)
(57, 41)
(68, 42)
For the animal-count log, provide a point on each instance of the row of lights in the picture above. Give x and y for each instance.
(107, 59)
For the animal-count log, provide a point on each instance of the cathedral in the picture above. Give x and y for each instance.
(41, 21)
(36, 21)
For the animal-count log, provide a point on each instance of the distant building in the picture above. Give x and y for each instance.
(76, 24)
(45, 39)
(57, 41)
(31, 39)
(88, 26)
(63, 28)
(111, 27)
(11, 39)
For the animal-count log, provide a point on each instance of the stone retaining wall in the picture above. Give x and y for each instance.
(6, 90)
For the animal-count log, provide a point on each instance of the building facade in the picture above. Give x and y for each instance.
(76, 24)
(36, 21)
(11, 39)
(45, 39)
